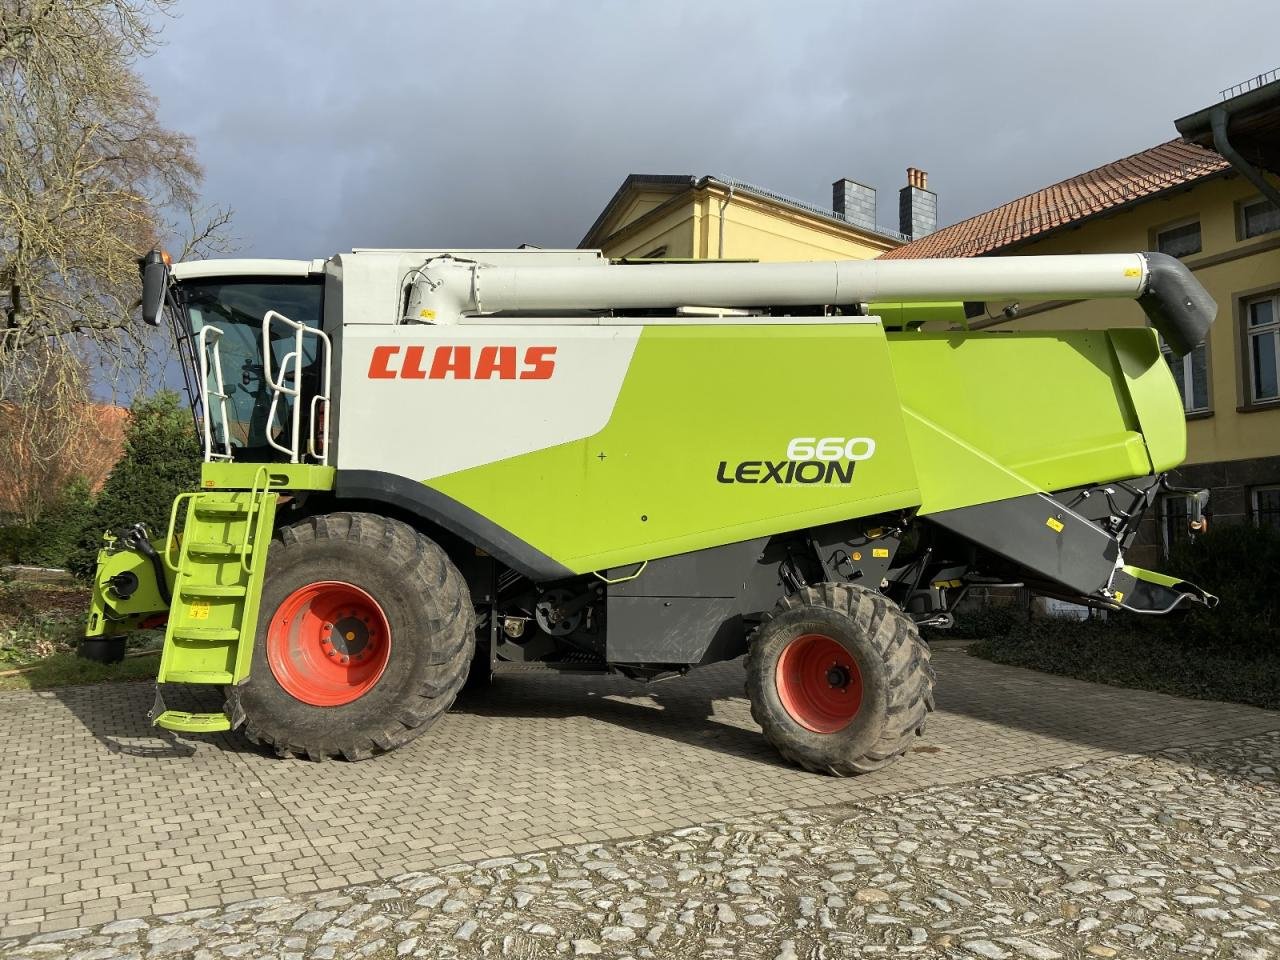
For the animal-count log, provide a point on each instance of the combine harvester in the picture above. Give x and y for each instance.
(421, 464)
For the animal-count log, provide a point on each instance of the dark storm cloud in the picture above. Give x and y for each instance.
(332, 125)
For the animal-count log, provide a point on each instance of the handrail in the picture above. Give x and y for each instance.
(290, 358)
(168, 534)
(293, 376)
(246, 555)
(205, 332)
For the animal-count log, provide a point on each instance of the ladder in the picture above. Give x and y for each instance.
(221, 556)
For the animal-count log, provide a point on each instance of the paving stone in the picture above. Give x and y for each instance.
(627, 790)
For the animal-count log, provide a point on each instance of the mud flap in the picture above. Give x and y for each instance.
(1145, 591)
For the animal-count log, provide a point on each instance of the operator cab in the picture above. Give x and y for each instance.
(243, 405)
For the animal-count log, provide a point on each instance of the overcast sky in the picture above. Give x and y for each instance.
(330, 125)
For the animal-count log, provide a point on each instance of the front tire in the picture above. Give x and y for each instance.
(839, 679)
(365, 633)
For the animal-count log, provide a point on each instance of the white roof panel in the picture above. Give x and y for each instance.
(195, 269)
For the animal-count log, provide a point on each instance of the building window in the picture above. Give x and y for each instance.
(1175, 519)
(1258, 217)
(1266, 506)
(1191, 374)
(1180, 240)
(1262, 349)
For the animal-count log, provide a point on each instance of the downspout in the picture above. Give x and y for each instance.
(1218, 121)
(723, 203)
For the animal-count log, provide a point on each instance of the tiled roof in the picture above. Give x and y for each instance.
(1112, 185)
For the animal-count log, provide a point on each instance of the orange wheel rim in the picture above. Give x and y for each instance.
(819, 683)
(328, 643)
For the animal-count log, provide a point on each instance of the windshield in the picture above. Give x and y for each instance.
(236, 307)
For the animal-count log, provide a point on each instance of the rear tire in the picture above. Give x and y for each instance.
(420, 638)
(839, 679)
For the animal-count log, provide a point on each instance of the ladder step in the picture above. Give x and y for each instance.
(222, 507)
(219, 634)
(219, 677)
(183, 722)
(211, 590)
(214, 549)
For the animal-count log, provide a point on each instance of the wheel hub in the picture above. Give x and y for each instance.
(328, 643)
(819, 683)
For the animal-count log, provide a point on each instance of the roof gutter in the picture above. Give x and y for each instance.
(1218, 118)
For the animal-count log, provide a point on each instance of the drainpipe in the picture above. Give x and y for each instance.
(1218, 121)
(723, 203)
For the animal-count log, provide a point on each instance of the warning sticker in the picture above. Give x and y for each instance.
(199, 610)
(879, 552)
(1054, 524)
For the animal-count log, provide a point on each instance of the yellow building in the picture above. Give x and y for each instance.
(1185, 200)
(685, 217)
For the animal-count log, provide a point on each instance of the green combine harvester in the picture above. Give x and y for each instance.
(425, 465)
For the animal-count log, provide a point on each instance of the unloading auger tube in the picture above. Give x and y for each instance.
(445, 289)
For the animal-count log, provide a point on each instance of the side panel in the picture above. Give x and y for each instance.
(1041, 535)
(1002, 414)
(695, 451)
(1153, 394)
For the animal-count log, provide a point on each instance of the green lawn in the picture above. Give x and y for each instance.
(65, 669)
(40, 627)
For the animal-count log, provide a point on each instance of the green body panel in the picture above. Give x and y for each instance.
(958, 419)
(694, 397)
(908, 314)
(220, 565)
(998, 415)
(282, 476)
(1158, 409)
(111, 616)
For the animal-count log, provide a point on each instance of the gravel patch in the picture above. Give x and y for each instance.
(1173, 855)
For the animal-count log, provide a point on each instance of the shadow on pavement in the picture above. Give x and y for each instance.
(116, 715)
(682, 709)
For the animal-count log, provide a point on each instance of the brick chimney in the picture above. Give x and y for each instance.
(855, 202)
(917, 206)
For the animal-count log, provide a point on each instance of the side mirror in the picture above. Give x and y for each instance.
(155, 278)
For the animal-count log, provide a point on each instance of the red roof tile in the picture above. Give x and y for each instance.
(1144, 174)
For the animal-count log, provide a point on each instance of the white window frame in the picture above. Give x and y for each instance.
(1255, 508)
(1176, 225)
(1188, 386)
(1250, 333)
(1242, 222)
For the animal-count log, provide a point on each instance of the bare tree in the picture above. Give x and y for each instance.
(89, 180)
(43, 439)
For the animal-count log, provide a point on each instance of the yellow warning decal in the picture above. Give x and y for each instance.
(1054, 524)
(1132, 272)
(1119, 596)
(199, 610)
(425, 314)
(879, 552)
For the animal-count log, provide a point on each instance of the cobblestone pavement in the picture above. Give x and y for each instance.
(1174, 855)
(103, 819)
